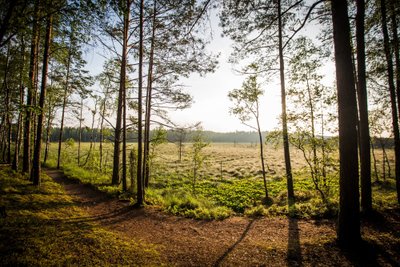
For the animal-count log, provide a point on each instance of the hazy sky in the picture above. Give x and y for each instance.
(211, 104)
(210, 93)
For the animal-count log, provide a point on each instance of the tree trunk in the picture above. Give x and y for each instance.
(121, 107)
(140, 188)
(101, 139)
(92, 139)
(288, 166)
(261, 157)
(17, 145)
(392, 92)
(396, 49)
(146, 154)
(387, 162)
(38, 145)
(348, 228)
(364, 142)
(123, 90)
(48, 129)
(314, 168)
(63, 107)
(374, 159)
(80, 132)
(7, 121)
(26, 160)
(323, 148)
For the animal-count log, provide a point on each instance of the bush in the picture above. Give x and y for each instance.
(257, 211)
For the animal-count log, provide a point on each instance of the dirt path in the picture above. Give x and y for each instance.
(235, 241)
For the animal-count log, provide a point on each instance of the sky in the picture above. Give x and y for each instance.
(210, 93)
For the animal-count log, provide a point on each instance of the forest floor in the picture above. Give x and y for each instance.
(239, 241)
(236, 241)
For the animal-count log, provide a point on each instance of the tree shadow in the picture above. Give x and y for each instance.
(294, 257)
(366, 254)
(383, 221)
(231, 248)
(111, 216)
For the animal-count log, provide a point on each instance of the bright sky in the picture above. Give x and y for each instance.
(210, 93)
(211, 104)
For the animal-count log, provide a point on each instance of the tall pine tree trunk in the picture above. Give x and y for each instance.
(48, 130)
(26, 160)
(65, 98)
(396, 48)
(120, 105)
(392, 91)
(288, 166)
(17, 144)
(40, 120)
(364, 142)
(146, 152)
(7, 117)
(122, 89)
(140, 187)
(348, 230)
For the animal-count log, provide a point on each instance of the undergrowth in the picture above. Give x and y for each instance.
(216, 196)
(44, 227)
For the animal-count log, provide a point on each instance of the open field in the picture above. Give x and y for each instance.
(230, 180)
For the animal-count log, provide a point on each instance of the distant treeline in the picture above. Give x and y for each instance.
(172, 136)
(175, 136)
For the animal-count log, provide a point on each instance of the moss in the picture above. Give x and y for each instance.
(44, 227)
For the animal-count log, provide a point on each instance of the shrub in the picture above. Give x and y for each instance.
(257, 211)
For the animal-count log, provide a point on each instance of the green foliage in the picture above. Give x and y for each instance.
(246, 100)
(181, 203)
(257, 211)
(239, 191)
(99, 181)
(197, 155)
(45, 227)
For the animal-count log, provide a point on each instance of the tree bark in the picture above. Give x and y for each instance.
(392, 92)
(48, 130)
(395, 37)
(146, 154)
(26, 160)
(348, 228)
(65, 98)
(17, 145)
(261, 156)
(364, 142)
(7, 120)
(120, 106)
(374, 161)
(288, 166)
(103, 113)
(123, 90)
(80, 132)
(38, 145)
(140, 187)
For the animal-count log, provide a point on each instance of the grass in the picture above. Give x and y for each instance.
(43, 227)
(229, 183)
